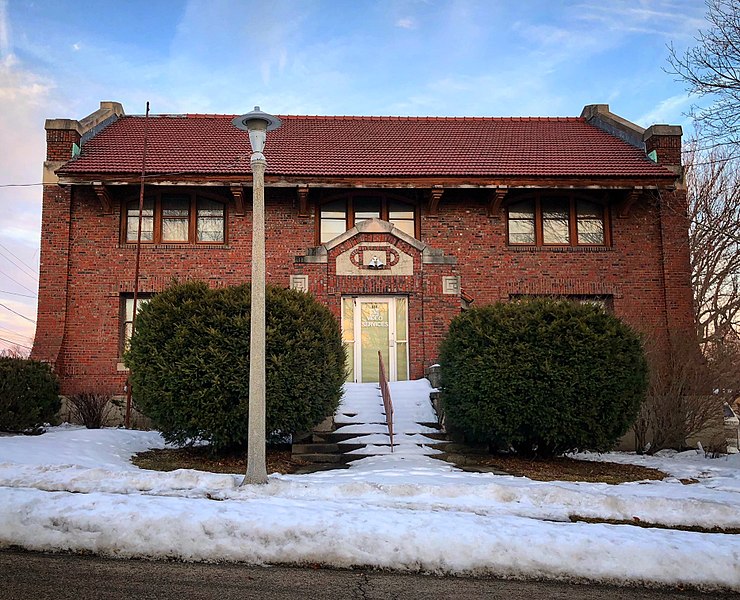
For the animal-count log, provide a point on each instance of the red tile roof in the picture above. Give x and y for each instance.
(367, 146)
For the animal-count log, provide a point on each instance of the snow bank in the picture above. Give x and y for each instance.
(74, 489)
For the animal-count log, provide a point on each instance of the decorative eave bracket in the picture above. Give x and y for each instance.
(302, 191)
(496, 201)
(101, 191)
(237, 191)
(435, 197)
(624, 207)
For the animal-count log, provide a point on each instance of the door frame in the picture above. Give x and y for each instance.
(392, 367)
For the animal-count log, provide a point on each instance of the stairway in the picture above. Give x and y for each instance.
(359, 429)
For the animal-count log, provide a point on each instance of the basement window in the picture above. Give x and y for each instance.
(183, 218)
(603, 301)
(557, 220)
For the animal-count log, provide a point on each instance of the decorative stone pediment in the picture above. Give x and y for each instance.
(374, 226)
(375, 258)
(364, 250)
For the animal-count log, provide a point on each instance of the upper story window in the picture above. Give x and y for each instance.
(557, 220)
(176, 218)
(340, 214)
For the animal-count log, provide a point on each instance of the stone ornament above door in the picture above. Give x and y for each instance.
(387, 258)
(376, 258)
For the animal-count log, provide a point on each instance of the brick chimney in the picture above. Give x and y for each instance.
(61, 137)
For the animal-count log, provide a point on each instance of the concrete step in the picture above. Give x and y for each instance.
(335, 437)
(432, 425)
(325, 458)
(316, 467)
(438, 435)
(345, 447)
(311, 448)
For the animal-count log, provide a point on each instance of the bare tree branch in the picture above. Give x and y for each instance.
(713, 188)
(711, 69)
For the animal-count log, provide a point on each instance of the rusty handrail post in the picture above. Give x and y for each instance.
(385, 391)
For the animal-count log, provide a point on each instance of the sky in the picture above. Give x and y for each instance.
(59, 59)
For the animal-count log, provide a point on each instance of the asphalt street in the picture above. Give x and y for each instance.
(38, 576)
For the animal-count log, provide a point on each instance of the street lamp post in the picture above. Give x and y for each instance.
(257, 123)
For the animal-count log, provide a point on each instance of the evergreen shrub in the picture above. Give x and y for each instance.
(542, 376)
(189, 361)
(29, 394)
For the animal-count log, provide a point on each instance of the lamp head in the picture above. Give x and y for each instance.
(257, 123)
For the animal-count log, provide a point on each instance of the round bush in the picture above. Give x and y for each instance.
(189, 361)
(542, 376)
(29, 394)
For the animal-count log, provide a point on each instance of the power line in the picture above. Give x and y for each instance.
(25, 287)
(15, 343)
(13, 332)
(17, 294)
(17, 313)
(29, 267)
(22, 268)
(24, 338)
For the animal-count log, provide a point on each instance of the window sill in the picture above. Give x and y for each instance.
(576, 249)
(173, 246)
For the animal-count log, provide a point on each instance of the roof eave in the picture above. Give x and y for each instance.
(363, 181)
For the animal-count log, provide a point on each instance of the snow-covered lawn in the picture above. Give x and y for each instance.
(75, 489)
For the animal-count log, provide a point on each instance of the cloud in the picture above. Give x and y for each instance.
(25, 97)
(667, 111)
(76, 46)
(665, 18)
(406, 23)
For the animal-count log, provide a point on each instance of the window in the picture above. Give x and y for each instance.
(548, 220)
(176, 219)
(147, 222)
(340, 214)
(604, 301)
(333, 220)
(127, 315)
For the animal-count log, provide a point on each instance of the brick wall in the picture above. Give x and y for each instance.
(79, 323)
(630, 270)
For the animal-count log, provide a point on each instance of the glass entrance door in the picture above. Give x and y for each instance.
(371, 325)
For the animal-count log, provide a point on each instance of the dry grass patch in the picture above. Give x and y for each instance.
(563, 468)
(279, 460)
(637, 522)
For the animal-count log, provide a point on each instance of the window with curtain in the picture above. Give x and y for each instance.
(181, 218)
(557, 220)
(340, 214)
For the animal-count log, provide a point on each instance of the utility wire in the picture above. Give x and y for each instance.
(25, 287)
(13, 332)
(22, 269)
(24, 338)
(17, 313)
(17, 294)
(15, 343)
(25, 264)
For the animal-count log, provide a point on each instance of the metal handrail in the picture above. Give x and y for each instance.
(385, 391)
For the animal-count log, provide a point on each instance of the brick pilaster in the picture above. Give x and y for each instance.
(665, 140)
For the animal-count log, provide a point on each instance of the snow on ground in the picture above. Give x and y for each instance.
(74, 489)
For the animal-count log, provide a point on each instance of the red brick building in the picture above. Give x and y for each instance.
(395, 223)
